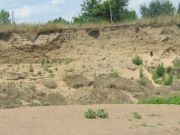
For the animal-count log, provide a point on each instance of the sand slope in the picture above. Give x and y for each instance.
(69, 120)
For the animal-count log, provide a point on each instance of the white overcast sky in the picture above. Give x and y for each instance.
(39, 11)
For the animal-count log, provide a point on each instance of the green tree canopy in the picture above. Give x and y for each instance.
(178, 11)
(99, 10)
(157, 8)
(4, 17)
(59, 20)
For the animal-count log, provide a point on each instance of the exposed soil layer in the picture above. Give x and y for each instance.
(85, 65)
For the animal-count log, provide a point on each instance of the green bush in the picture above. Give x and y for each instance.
(137, 60)
(101, 113)
(161, 100)
(90, 114)
(168, 79)
(160, 70)
(137, 115)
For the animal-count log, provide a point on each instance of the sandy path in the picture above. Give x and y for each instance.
(69, 120)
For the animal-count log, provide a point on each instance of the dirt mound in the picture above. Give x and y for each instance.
(120, 83)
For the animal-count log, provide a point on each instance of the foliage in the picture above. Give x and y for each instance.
(168, 79)
(31, 69)
(160, 70)
(178, 11)
(4, 17)
(114, 74)
(177, 63)
(99, 11)
(157, 8)
(137, 115)
(137, 60)
(59, 20)
(142, 80)
(162, 76)
(101, 113)
(161, 100)
(90, 114)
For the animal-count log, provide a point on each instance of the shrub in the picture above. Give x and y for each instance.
(161, 100)
(31, 69)
(137, 115)
(142, 82)
(114, 74)
(137, 60)
(177, 63)
(90, 114)
(168, 79)
(160, 70)
(101, 113)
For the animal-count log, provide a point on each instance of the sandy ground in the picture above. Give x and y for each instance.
(69, 120)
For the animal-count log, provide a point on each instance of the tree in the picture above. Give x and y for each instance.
(178, 11)
(157, 8)
(4, 17)
(99, 10)
(59, 20)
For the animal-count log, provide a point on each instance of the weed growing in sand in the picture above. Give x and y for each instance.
(162, 76)
(168, 79)
(177, 63)
(114, 74)
(136, 115)
(30, 87)
(161, 100)
(160, 70)
(31, 69)
(137, 60)
(100, 113)
(45, 63)
(142, 80)
(90, 114)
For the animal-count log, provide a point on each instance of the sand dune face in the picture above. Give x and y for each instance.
(68, 120)
(84, 65)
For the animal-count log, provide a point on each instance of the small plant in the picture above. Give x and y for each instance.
(50, 71)
(161, 100)
(31, 69)
(39, 73)
(90, 114)
(168, 79)
(114, 74)
(177, 63)
(101, 113)
(160, 70)
(137, 115)
(163, 76)
(137, 60)
(142, 80)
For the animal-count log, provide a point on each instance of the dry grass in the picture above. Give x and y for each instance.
(55, 27)
(159, 21)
